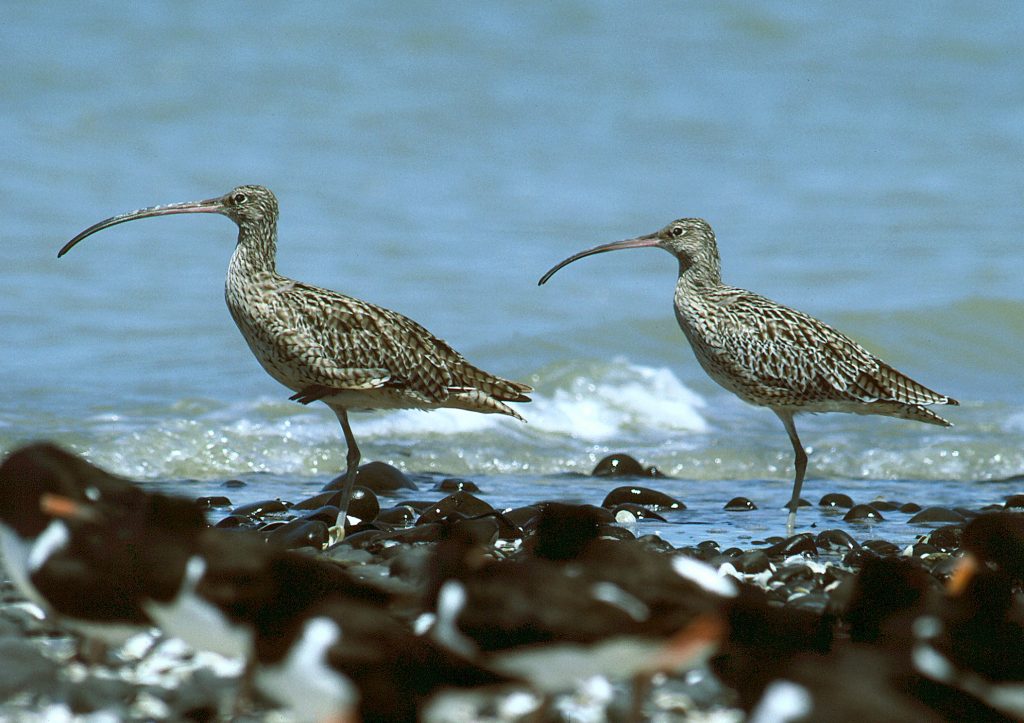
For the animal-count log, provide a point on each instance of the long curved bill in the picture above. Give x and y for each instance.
(632, 243)
(209, 205)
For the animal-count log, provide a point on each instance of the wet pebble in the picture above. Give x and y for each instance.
(799, 503)
(380, 477)
(364, 505)
(884, 505)
(800, 544)
(856, 557)
(327, 513)
(863, 513)
(231, 521)
(454, 484)
(936, 514)
(318, 500)
(397, 515)
(641, 496)
(524, 516)
(462, 502)
(836, 540)
(635, 511)
(300, 533)
(910, 508)
(1014, 502)
(739, 504)
(234, 484)
(623, 465)
(947, 537)
(213, 502)
(793, 575)
(881, 547)
(837, 500)
(656, 543)
(260, 508)
(751, 562)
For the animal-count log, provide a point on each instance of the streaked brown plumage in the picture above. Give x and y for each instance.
(326, 346)
(771, 355)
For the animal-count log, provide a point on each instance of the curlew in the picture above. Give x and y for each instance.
(770, 355)
(328, 347)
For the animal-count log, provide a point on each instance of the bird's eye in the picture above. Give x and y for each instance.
(239, 198)
(677, 231)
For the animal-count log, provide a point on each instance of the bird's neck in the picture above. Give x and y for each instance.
(255, 252)
(700, 273)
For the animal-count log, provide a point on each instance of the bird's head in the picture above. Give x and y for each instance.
(690, 240)
(246, 205)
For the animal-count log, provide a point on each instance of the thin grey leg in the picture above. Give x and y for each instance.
(352, 466)
(800, 463)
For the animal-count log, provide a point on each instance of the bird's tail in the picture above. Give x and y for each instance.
(921, 414)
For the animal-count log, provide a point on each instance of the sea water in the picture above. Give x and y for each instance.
(863, 166)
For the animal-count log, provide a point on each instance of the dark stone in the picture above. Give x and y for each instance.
(884, 505)
(837, 500)
(397, 515)
(931, 515)
(524, 516)
(483, 531)
(327, 513)
(462, 502)
(794, 575)
(656, 543)
(881, 547)
(213, 501)
(863, 513)
(234, 484)
(708, 545)
(233, 521)
(614, 532)
(814, 602)
(947, 537)
(420, 506)
(856, 557)
(260, 508)
(799, 503)
(364, 538)
(751, 562)
(422, 532)
(641, 496)
(638, 511)
(802, 543)
(454, 484)
(301, 533)
(836, 540)
(364, 505)
(944, 567)
(623, 465)
(910, 507)
(380, 477)
(739, 504)
(1014, 502)
(318, 500)
(920, 549)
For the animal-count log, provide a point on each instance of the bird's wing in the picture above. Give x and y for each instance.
(788, 349)
(351, 344)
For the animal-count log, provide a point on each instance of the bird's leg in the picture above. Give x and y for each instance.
(800, 462)
(352, 466)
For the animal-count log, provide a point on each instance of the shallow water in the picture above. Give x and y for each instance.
(864, 168)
